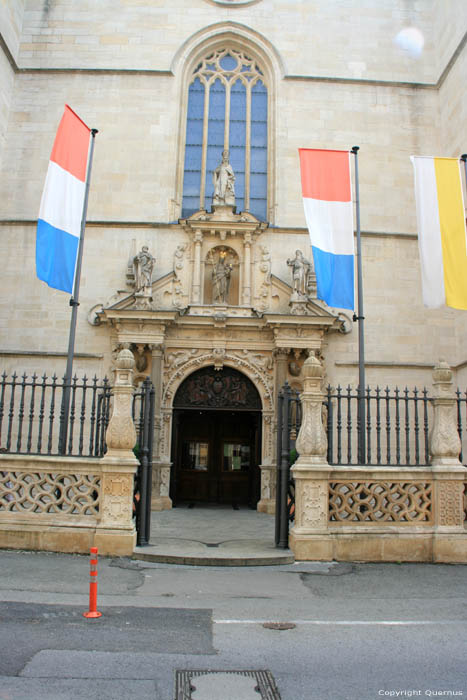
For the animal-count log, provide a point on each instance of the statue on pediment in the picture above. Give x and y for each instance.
(301, 273)
(143, 264)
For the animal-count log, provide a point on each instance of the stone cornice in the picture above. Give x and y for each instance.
(283, 230)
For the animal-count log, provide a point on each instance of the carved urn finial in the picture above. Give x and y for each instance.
(121, 433)
(312, 440)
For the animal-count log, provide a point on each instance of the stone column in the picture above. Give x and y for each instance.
(247, 270)
(160, 468)
(281, 355)
(267, 503)
(116, 530)
(309, 537)
(196, 288)
(448, 472)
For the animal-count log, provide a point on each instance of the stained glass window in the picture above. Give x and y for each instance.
(227, 110)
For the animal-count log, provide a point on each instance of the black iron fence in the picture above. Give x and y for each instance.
(31, 414)
(396, 426)
(31, 417)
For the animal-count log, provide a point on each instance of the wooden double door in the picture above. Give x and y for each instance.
(216, 456)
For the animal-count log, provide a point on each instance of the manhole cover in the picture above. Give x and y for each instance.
(228, 685)
(279, 625)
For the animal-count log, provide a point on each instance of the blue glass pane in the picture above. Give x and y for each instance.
(191, 184)
(216, 121)
(228, 62)
(193, 149)
(196, 100)
(190, 205)
(239, 189)
(258, 185)
(210, 66)
(194, 131)
(259, 160)
(192, 158)
(258, 152)
(237, 158)
(259, 103)
(258, 208)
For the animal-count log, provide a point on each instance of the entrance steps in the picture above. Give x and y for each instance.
(213, 535)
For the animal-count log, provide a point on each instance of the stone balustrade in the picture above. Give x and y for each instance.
(371, 513)
(69, 504)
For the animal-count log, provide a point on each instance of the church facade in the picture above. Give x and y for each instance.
(197, 256)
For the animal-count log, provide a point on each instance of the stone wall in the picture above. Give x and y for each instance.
(342, 38)
(340, 80)
(11, 17)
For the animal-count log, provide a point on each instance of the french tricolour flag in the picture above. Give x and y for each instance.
(61, 210)
(327, 198)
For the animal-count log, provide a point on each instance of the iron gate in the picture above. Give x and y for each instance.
(289, 416)
(143, 417)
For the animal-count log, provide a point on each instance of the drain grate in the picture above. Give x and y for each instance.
(279, 626)
(234, 685)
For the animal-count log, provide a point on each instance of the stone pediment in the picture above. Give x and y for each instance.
(160, 297)
(223, 222)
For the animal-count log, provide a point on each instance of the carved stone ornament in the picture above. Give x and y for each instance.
(312, 505)
(445, 444)
(450, 510)
(118, 497)
(312, 441)
(121, 433)
(210, 388)
(259, 379)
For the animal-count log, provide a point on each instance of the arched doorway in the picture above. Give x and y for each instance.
(216, 439)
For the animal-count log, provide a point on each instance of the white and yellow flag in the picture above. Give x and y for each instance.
(442, 235)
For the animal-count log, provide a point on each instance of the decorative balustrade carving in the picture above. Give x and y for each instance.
(40, 492)
(381, 501)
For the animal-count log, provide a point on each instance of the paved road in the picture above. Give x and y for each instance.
(362, 631)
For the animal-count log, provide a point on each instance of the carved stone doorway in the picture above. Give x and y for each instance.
(216, 439)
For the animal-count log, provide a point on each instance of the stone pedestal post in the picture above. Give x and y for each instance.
(448, 472)
(116, 530)
(309, 537)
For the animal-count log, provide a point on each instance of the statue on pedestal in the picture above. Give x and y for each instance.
(301, 270)
(223, 178)
(221, 272)
(143, 265)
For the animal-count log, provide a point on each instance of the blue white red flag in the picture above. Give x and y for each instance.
(61, 210)
(327, 199)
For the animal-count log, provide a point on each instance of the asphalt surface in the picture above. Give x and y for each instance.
(356, 631)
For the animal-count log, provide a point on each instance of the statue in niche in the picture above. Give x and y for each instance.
(223, 178)
(301, 273)
(221, 273)
(143, 265)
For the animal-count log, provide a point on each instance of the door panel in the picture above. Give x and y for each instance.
(216, 457)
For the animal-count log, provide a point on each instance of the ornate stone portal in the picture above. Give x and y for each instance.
(220, 306)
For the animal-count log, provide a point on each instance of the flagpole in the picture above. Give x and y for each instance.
(74, 303)
(361, 330)
(464, 158)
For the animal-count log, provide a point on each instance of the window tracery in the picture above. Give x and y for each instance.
(227, 110)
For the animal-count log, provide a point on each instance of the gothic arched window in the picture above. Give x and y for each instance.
(227, 110)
